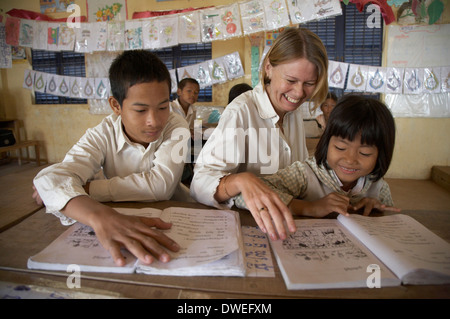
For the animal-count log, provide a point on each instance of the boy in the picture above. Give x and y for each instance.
(187, 92)
(132, 148)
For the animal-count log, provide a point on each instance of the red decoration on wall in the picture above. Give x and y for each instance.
(31, 15)
(386, 10)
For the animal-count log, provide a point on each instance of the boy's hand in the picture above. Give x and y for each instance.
(139, 235)
(36, 197)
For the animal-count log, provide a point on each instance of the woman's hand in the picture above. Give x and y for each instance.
(270, 213)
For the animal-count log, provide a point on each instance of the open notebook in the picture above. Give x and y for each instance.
(210, 240)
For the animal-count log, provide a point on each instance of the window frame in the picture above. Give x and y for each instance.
(347, 38)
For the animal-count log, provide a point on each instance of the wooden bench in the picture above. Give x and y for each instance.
(23, 145)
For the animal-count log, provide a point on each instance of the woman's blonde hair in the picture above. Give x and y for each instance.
(297, 43)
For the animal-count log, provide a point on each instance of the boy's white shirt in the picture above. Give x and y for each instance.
(176, 107)
(131, 172)
(251, 110)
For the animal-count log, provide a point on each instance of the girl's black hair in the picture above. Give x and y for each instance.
(354, 114)
(135, 67)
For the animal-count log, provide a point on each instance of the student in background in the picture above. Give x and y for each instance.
(262, 130)
(188, 90)
(346, 172)
(326, 108)
(131, 148)
(237, 90)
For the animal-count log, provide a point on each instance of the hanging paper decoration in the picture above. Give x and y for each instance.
(100, 36)
(189, 28)
(116, 36)
(231, 21)
(28, 79)
(62, 85)
(26, 33)
(304, 11)
(87, 88)
(40, 35)
(52, 86)
(357, 76)
(5, 50)
(202, 75)
(413, 82)
(445, 79)
(150, 33)
(233, 65)
(66, 38)
(12, 29)
(277, 15)
(75, 88)
(102, 88)
(253, 17)
(168, 31)
(83, 38)
(376, 79)
(211, 25)
(52, 36)
(394, 80)
(133, 35)
(40, 81)
(217, 71)
(337, 71)
(431, 80)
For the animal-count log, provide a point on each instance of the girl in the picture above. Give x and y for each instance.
(346, 172)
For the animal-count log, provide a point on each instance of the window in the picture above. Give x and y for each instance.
(348, 39)
(72, 64)
(62, 63)
(184, 55)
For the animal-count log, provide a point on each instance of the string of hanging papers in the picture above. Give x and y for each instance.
(204, 25)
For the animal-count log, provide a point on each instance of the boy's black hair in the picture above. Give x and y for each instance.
(237, 90)
(332, 95)
(135, 67)
(355, 114)
(185, 81)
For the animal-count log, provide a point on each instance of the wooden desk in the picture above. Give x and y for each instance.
(37, 231)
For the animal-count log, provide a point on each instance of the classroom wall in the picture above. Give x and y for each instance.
(421, 142)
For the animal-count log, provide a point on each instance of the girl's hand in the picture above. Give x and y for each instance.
(330, 203)
(371, 203)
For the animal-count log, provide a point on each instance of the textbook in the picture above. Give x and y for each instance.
(362, 251)
(210, 241)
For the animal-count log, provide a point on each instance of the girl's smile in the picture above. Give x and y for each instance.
(351, 160)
